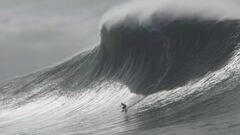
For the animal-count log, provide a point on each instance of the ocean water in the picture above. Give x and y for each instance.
(176, 68)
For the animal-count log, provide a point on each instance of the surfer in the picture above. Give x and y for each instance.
(124, 107)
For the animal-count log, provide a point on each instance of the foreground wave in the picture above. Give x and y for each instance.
(178, 75)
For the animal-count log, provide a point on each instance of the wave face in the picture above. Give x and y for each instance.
(166, 54)
(176, 74)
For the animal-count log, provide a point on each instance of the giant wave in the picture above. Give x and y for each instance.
(170, 66)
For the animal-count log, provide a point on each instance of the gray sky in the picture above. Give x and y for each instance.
(39, 33)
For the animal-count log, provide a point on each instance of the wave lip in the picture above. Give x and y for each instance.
(143, 11)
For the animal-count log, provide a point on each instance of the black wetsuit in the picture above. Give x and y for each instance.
(124, 107)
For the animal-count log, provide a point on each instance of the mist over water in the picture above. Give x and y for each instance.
(174, 63)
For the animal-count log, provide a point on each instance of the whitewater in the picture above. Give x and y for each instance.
(175, 63)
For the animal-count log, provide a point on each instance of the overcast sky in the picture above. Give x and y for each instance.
(38, 33)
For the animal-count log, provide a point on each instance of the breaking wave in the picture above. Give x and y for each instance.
(163, 62)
